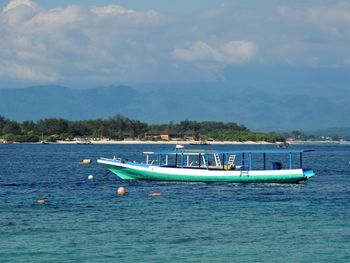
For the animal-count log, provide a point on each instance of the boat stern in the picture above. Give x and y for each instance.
(308, 173)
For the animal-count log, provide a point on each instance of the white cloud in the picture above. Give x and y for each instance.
(58, 44)
(20, 3)
(112, 10)
(232, 52)
(21, 71)
(317, 35)
(55, 18)
(199, 51)
(237, 52)
(334, 18)
(113, 43)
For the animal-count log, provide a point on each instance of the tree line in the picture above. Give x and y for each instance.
(119, 127)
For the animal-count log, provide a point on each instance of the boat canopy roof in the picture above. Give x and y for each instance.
(198, 152)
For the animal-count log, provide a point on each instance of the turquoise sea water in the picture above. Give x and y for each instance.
(85, 221)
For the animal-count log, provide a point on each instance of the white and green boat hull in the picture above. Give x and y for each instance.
(132, 171)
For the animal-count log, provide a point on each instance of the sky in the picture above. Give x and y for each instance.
(107, 42)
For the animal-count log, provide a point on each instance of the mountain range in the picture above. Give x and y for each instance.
(255, 108)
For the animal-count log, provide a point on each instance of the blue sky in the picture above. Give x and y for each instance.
(158, 41)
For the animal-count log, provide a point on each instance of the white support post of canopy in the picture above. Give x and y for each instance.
(250, 161)
(204, 161)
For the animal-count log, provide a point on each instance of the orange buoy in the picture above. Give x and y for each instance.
(41, 201)
(154, 194)
(121, 191)
(85, 161)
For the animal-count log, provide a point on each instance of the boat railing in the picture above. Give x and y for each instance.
(114, 159)
(231, 159)
(150, 162)
(237, 160)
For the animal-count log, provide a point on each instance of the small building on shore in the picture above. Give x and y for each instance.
(128, 136)
(190, 135)
(169, 135)
(166, 135)
(152, 134)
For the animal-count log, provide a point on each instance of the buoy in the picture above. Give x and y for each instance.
(154, 194)
(41, 201)
(85, 161)
(121, 191)
(90, 177)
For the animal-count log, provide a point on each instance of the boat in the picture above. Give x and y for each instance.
(84, 142)
(42, 139)
(283, 145)
(200, 143)
(246, 166)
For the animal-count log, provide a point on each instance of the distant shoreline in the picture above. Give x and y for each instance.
(194, 143)
(319, 142)
(161, 142)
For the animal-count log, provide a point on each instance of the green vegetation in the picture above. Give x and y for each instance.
(120, 128)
